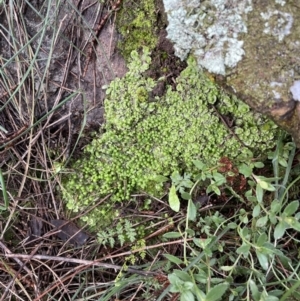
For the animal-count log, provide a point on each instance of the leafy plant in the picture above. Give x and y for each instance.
(183, 283)
(182, 183)
(123, 232)
(248, 263)
(143, 138)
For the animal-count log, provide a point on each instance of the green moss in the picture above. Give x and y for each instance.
(137, 24)
(145, 138)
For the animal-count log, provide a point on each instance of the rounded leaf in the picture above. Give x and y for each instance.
(291, 208)
(217, 292)
(256, 211)
(173, 199)
(261, 222)
(263, 260)
(173, 259)
(279, 230)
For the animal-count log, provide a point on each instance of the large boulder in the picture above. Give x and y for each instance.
(252, 48)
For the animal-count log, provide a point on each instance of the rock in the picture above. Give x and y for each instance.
(252, 48)
(68, 231)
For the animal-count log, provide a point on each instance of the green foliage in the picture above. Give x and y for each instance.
(173, 199)
(123, 232)
(137, 24)
(145, 141)
(261, 241)
(183, 283)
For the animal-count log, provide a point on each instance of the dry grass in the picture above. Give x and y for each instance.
(52, 67)
(48, 95)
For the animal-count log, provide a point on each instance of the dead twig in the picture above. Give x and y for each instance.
(17, 260)
(31, 283)
(98, 262)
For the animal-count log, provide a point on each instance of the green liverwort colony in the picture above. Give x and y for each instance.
(144, 138)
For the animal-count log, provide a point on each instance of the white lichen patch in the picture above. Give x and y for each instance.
(281, 2)
(295, 90)
(275, 89)
(210, 29)
(278, 23)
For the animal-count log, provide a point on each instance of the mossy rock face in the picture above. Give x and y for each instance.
(147, 138)
(136, 22)
(252, 47)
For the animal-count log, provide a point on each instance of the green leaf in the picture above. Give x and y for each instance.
(232, 225)
(296, 226)
(201, 277)
(227, 268)
(181, 182)
(219, 178)
(267, 297)
(173, 199)
(243, 249)
(254, 290)
(275, 206)
(216, 292)
(173, 259)
(187, 181)
(187, 296)
(280, 229)
(200, 165)
(202, 243)
(172, 235)
(213, 187)
(263, 260)
(272, 218)
(183, 275)
(292, 222)
(245, 170)
(282, 162)
(271, 298)
(264, 182)
(176, 283)
(266, 186)
(249, 196)
(262, 239)
(244, 219)
(259, 164)
(259, 193)
(192, 211)
(217, 280)
(291, 208)
(176, 177)
(186, 196)
(188, 285)
(256, 211)
(261, 222)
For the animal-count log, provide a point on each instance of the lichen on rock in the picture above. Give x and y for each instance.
(209, 29)
(252, 46)
(144, 137)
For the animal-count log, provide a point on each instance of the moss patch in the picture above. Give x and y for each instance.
(137, 24)
(149, 137)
